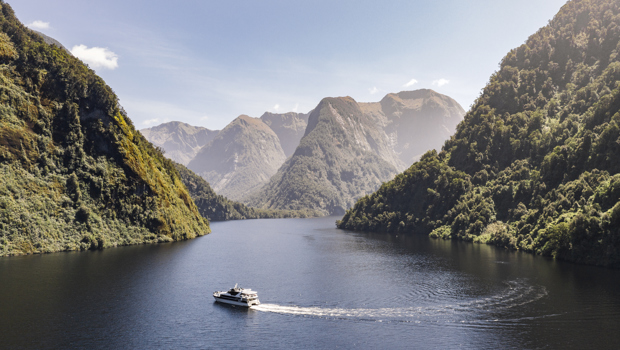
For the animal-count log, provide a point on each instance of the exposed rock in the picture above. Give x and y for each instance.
(240, 159)
(181, 141)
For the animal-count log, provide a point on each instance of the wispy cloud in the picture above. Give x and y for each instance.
(296, 108)
(410, 83)
(441, 82)
(39, 25)
(373, 90)
(276, 107)
(96, 57)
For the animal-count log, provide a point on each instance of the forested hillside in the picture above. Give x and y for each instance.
(74, 172)
(535, 164)
(219, 208)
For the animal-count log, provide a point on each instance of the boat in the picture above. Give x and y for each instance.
(238, 296)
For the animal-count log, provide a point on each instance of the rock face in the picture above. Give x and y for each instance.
(240, 159)
(350, 148)
(342, 156)
(180, 141)
(534, 165)
(416, 121)
(74, 172)
(289, 127)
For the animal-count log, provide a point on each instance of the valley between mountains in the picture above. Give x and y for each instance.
(532, 166)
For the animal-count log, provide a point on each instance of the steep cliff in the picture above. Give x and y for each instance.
(240, 159)
(180, 141)
(534, 165)
(74, 172)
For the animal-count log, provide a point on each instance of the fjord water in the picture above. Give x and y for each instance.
(320, 288)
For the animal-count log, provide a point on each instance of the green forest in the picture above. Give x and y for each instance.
(216, 207)
(535, 164)
(74, 172)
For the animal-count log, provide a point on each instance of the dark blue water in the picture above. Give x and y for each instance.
(320, 288)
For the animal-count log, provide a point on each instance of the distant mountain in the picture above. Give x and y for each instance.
(535, 165)
(416, 121)
(289, 127)
(350, 148)
(240, 159)
(339, 159)
(219, 208)
(74, 172)
(180, 141)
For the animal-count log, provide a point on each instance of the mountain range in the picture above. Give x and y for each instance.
(350, 148)
(180, 141)
(336, 153)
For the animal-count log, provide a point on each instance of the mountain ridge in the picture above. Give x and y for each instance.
(74, 172)
(533, 166)
(240, 159)
(346, 153)
(181, 141)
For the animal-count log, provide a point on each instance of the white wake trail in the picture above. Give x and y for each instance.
(517, 294)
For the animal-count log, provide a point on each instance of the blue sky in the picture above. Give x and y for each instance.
(206, 62)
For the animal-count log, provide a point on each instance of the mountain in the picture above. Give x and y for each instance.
(180, 141)
(350, 148)
(215, 207)
(416, 121)
(240, 159)
(534, 165)
(289, 127)
(74, 172)
(341, 157)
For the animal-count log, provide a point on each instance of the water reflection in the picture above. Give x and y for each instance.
(320, 288)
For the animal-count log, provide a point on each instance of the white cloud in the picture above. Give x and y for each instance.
(96, 57)
(39, 25)
(276, 107)
(411, 83)
(373, 90)
(441, 82)
(296, 108)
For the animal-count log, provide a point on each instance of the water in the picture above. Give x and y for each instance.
(320, 288)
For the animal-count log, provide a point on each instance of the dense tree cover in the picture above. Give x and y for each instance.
(535, 164)
(74, 173)
(215, 207)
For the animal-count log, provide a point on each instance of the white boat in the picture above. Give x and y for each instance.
(238, 296)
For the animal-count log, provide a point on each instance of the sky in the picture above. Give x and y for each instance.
(206, 62)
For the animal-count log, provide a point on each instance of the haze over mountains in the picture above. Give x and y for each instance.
(350, 148)
(338, 152)
(535, 164)
(241, 158)
(181, 141)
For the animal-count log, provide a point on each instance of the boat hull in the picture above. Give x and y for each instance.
(233, 302)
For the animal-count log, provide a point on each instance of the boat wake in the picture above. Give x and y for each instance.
(480, 309)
